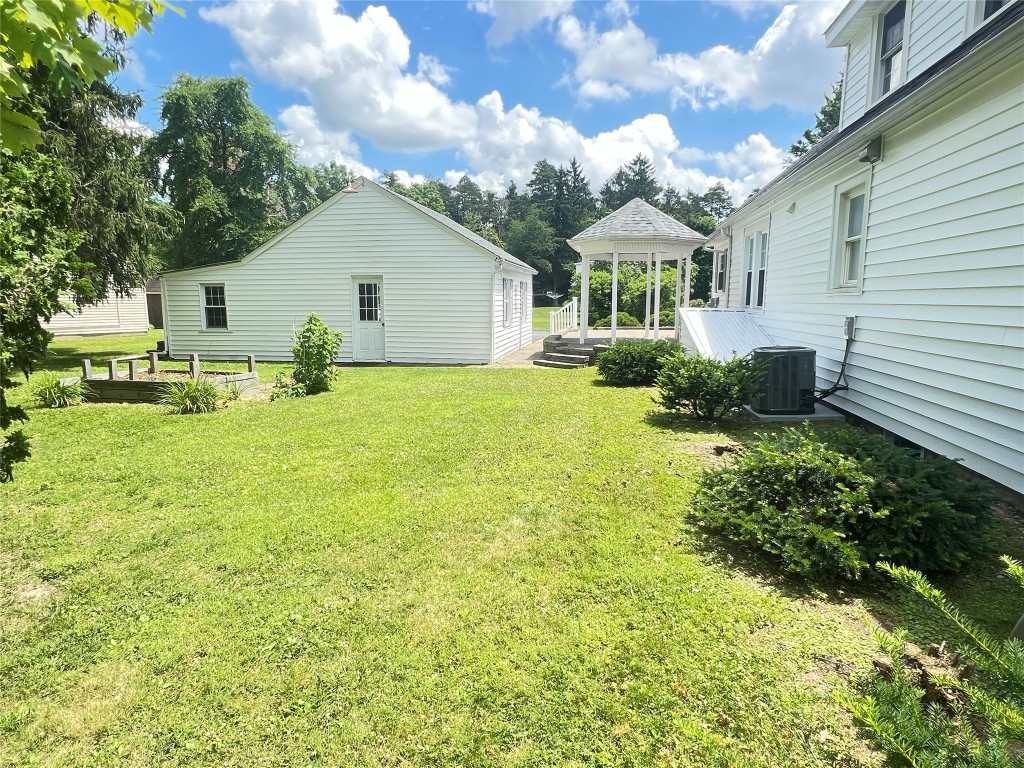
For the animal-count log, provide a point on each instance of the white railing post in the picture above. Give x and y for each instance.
(564, 318)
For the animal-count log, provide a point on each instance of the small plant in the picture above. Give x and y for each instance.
(232, 392)
(835, 505)
(285, 388)
(635, 362)
(623, 320)
(667, 318)
(314, 351)
(198, 395)
(705, 387)
(51, 391)
(957, 719)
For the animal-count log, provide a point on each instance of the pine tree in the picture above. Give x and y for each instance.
(825, 121)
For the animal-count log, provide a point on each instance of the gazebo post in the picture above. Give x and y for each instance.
(679, 287)
(615, 293)
(657, 294)
(647, 315)
(689, 269)
(584, 299)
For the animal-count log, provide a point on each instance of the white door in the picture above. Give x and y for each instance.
(369, 318)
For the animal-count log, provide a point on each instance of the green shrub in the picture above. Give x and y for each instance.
(823, 509)
(198, 395)
(961, 720)
(697, 303)
(314, 351)
(634, 362)
(51, 391)
(285, 388)
(624, 320)
(667, 318)
(705, 387)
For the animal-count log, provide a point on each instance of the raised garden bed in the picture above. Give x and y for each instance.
(147, 385)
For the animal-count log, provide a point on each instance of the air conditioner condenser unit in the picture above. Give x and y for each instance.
(788, 387)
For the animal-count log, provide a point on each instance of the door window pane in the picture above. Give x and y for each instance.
(369, 302)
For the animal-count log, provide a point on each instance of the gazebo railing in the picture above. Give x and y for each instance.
(566, 318)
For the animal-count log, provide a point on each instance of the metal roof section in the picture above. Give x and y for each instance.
(721, 333)
(638, 220)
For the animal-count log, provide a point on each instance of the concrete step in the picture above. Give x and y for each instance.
(544, 363)
(563, 357)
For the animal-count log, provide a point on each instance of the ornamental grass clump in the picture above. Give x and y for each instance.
(315, 349)
(834, 505)
(199, 395)
(635, 362)
(51, 391)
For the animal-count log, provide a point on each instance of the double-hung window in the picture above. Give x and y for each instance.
(506, 290)
(523, 298)
(849, 227)
(215, 308)
(721, 270)
(891, 56)
(756, 253)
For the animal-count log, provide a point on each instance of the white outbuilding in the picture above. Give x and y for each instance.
(404, 283)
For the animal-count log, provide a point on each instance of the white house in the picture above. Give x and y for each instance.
(114, 315)
(404, 283)
(909, 218)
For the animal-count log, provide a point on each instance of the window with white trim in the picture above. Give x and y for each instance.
(506, 290)
(892, 57)
(756, 263)
(523, 298)
(983, 10)
(215, 308)
(849, 227)
(721, 270)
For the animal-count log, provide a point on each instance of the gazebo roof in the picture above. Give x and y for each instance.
(638, 220)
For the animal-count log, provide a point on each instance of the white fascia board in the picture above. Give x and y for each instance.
(849, 22)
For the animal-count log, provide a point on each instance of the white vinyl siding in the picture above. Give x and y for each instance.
(936, 29)
(855, 87)
(518, 331)
(113, 315)
(939, 341)
(437, 287)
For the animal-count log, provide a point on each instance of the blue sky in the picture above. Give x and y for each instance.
(710, 90)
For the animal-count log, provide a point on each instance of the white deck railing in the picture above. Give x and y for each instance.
(566, 318)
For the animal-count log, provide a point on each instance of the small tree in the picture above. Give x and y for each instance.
(314, 351)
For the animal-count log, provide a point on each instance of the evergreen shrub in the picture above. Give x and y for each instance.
(634, 362)
(834, 505)
(707, 388)
(624, 320)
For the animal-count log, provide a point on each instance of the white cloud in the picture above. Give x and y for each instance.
(356, 74)
(128, 126)
(789, 64)
(355, 71)
(316, 145)
(512, 17)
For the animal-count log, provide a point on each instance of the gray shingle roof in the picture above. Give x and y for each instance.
(473, 237)
(638, 220)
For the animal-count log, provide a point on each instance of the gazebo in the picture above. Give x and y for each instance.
(636, 232)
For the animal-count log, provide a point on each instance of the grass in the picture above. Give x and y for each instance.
(424, 567)
(542, 318)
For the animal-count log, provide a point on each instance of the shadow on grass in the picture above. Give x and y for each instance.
(982, 590)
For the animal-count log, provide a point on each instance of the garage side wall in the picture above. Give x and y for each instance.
(515, 332)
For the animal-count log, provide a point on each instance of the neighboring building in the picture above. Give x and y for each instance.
(113, 315)
(909, 217)
(154, 304)
(404, 283)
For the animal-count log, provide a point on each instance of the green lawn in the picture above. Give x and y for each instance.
(424, 567)
(542, 318)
